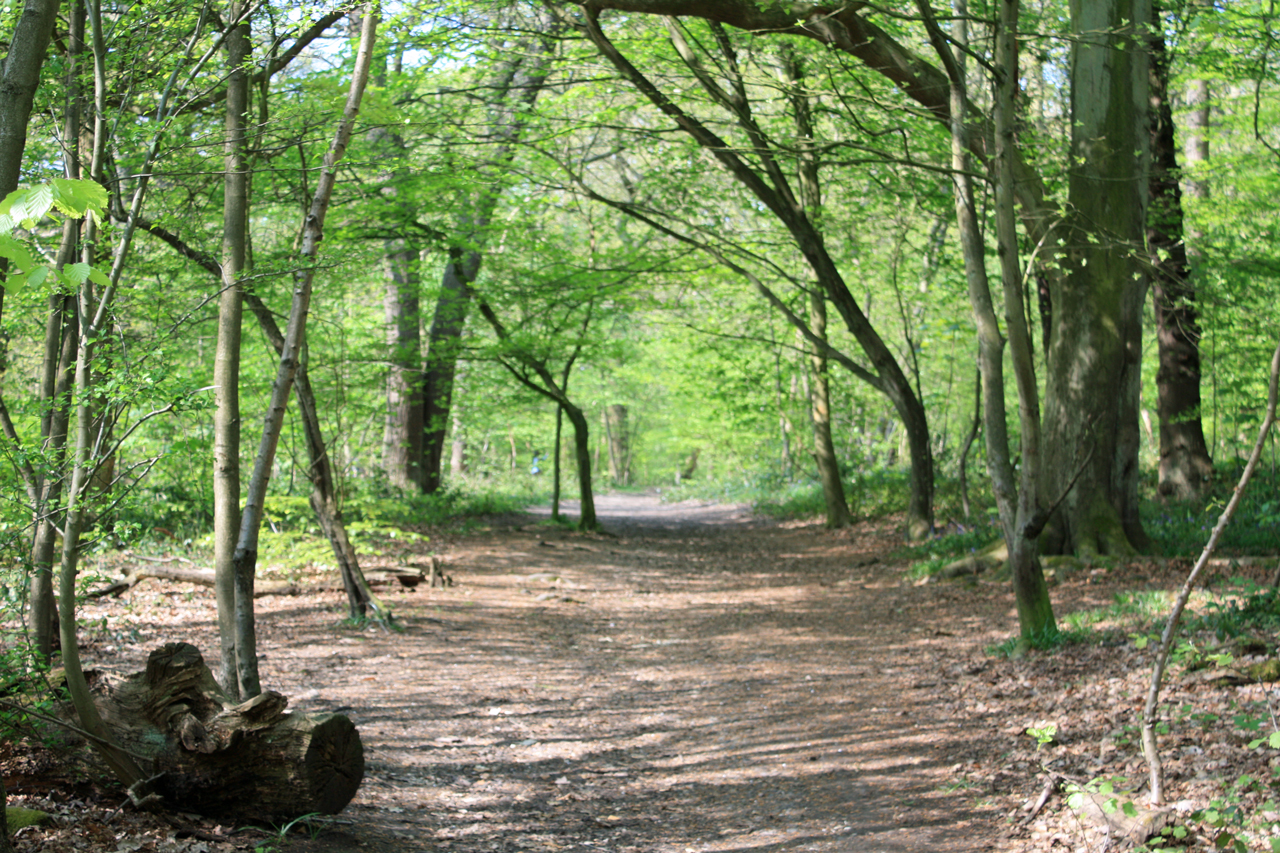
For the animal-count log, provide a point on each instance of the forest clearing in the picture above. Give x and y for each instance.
(695, 679)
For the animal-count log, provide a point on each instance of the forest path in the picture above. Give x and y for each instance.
(693, 680)
(697, 681)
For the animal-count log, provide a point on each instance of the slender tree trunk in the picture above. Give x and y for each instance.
(555, 466)
(226, 360)
(402, 446)
(582, 454)
(1185, 466)
(1016, 492)
(246, 552)
(968, 445)
(824, 450)
(444, 344)
(19, 79)
(1094, 377)
(615, 419)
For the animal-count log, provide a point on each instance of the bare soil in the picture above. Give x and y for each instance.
(693, 680)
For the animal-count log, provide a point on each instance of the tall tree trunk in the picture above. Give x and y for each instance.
(615, 424)
(402, 444)
(582, 454)
(246, 551)
(444, 344)
(1016, 492)
(555, 465)
(19, 79)
(1095, 354)
(824, 449)
(517, 84)
(1185, 466)
(61, 333)
(226, 359)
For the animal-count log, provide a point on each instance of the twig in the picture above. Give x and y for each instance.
(1050, 782)
(1149, 750)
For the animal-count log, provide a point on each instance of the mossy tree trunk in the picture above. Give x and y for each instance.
(1095, 351)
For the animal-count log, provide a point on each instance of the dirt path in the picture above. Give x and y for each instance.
(702, 682)
(695, 681)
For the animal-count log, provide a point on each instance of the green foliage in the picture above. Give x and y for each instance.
(1180, 528)
(1132, 609)
(928, 557)
(1245, 608)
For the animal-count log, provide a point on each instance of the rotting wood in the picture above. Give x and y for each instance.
(211, 756)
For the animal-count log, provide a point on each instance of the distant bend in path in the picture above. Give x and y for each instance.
(621, 511)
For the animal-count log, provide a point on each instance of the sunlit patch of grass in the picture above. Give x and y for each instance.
(929, 557)
(1128, 609)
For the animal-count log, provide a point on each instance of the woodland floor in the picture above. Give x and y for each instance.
(694, 680)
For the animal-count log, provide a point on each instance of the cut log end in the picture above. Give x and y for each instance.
(334, 764)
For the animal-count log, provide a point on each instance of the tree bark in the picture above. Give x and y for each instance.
(21, 78)
(824, 449)
(246, 552)
(1016, 490)
(226, 359)
(582, 453)
(1185, 466)
(18, 83)
(615, 423)
(216, 756)
(518, 84)
(1095, 353)
(402, 445)
(444, 345)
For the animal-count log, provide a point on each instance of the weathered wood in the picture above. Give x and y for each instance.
(253, 761)
(203, 577)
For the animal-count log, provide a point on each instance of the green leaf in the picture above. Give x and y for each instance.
(76, 273)
(99, 278)
(1274, 740)
(78, 197)
(35, 204)
(17, 253)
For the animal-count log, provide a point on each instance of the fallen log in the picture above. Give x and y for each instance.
(204, 577)
(410, 578)
(253, 760)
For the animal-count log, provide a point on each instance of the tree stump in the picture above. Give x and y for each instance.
(254, 760)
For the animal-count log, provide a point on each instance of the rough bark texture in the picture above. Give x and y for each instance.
(1185, 466)
(1095, 355)
(214, 756)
